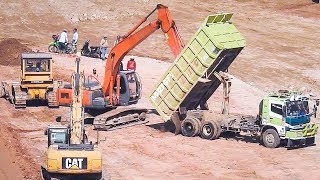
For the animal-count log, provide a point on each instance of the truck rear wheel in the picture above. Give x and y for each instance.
(271, 138)
(209, 130)
(190, 127)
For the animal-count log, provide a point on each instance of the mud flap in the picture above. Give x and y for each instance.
(177, 123)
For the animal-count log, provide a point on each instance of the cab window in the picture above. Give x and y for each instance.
(276, 108)
(37, 65)
(58, 138)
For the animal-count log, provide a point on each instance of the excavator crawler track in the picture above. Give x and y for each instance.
(52, 99)
(19, 98)
(120, 118)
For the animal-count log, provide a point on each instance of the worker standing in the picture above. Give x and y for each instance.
(63, 40)
(103, 47)
(75, 39)
(131, 65)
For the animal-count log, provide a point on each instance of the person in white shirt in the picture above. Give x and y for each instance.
(63, 40)
(75, 39)
(103, 47)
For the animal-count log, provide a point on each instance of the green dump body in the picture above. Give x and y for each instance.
(190, 80)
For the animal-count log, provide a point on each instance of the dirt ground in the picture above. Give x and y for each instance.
(281, 52)
(10, 51)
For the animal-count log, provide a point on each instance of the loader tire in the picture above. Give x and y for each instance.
(210, 130)
(190, 127)
(271, 138)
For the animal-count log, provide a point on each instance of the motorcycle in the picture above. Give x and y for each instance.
(54, 46)
(90, 51)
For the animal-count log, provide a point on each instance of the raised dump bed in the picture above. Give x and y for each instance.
(190, 80)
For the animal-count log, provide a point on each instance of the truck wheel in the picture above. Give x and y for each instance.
(310, 141)
(190, 127)
(271, 138)
(209, 130)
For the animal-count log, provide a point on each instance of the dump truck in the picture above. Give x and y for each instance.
(181, 94)
(36, 82)
(70, 155)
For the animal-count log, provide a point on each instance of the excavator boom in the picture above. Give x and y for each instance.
(76, 107)
(133, 38)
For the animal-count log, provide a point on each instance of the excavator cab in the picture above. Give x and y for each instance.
(58, 135)
(130, 88)
(130, 91)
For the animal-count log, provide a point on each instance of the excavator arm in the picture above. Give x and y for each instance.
(76, 106)
(135, 37)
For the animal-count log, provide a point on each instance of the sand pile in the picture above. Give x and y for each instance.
(10, 51)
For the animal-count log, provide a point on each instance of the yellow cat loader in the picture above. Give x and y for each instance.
(69, 154)
(36, 82)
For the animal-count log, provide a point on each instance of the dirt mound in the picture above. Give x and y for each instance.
(10, 51)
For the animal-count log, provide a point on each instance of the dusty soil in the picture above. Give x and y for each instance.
(281, 52)
(10, 51)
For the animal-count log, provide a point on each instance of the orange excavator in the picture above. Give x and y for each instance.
(123, 87)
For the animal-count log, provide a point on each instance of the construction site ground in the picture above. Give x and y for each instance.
(282, 52)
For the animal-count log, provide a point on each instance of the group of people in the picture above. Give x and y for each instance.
(63, 39)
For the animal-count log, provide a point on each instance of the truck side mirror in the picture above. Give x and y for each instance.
(45, 132)
(315, 108)
(58, 119)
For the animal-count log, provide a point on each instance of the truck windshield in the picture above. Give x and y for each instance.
(37, 65)
(297, 108)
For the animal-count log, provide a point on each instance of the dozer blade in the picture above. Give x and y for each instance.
(120, 118)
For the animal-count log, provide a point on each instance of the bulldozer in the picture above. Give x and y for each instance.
(36, 82)
(69, 154)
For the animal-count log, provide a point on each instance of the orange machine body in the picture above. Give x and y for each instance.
(114, 80)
